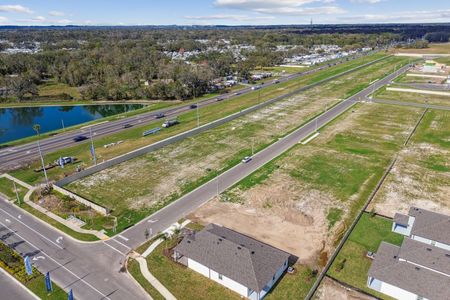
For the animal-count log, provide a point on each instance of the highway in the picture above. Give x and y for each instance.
(189, 202)
(93, 270)
(13, 157)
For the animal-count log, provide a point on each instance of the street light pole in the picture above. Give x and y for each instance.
(37, 128)
(63, 127)
(198, 117)
(17, 194)
(92, 147)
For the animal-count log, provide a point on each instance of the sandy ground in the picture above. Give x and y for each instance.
(331, 290)
(410, 184)
(280, 213)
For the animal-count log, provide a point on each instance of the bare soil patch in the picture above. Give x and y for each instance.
(329, 289)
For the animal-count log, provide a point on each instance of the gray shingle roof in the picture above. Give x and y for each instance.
(401, 219)
(430, 225)
(423, 282)
(234, 255)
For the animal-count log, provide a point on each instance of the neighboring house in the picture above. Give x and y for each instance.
(424, 226)
(420, 267)
(238, 262)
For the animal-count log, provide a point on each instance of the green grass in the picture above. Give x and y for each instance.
(367, 236)
(434, 129)
(182, 282)
(63, 228)
(133, 137)
(293, 286)
(156, 169)
(12, 263)
(134, 270)
(334, 215)
(7, 189)
(53, 89)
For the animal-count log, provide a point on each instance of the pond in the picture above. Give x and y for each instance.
(17, 123)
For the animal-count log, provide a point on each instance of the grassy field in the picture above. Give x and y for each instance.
(411, 97)
(52, 89)
(432, 49)
(134, 270)
(133, 137)
(7, 189)
(12, 263)
(145, 184)
(351, 265)
(422, 170)
(413, 79)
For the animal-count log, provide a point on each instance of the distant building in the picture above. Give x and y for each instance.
(420, 267)
(236, 261)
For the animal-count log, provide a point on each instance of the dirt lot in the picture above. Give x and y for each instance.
(288, 202)
(150, 179)
(329, 289)
(422, 174)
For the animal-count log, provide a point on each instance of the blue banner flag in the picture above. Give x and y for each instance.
(70, 296)
(28, 267)
(48, 282)
(93, 151)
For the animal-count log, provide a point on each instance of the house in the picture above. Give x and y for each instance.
(424, 226)
(236, 261)
(420, 267)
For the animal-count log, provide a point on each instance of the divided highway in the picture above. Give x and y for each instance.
(12, 157)
(93, 270)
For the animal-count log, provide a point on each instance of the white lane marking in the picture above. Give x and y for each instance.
(60, 265)
(19, 216)
(122, 237)
(32, 229)
(121, 243)
(38, 258)
(152, 221)
(59, 239)
(8, 220)
(115, 249)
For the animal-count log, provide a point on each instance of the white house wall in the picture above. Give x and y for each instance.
(396, 292)
(211, 274)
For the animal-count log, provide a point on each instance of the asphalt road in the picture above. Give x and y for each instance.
(14, 157)
(157, 222)
(91, 270)
(12, 289)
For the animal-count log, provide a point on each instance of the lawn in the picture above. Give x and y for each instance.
(147, 183)
(7, 189)
(133, 137)
(293, 286)
(411, 97)
(351, 265)
(182, 282)
(13, 264)
(437, 48)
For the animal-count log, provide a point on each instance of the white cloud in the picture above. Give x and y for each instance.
(43, 20)
(241, 18)
(15, 8)
(3, 20)
(366, 1)
(405, 17)
(281, 7)
(55, 13)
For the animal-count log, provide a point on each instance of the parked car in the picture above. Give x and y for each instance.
(193, 106)
(246, 159)
(128, 125)
(219, 99)
(160, 115)
(237, 93)
(80, 138)
(256, 87)
(276, 81)
(170, 123)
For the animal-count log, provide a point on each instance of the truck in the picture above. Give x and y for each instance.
(170, 123)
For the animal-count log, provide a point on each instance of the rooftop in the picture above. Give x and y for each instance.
(401, 219)
(234, 255)
(430, 225)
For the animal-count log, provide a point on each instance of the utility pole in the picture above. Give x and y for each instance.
(198, 117)
(37, 128)
(92, 147)
(63, 127)
(17, 194)
(218, 194)
(253, 146)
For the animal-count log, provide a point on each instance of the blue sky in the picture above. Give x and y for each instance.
(228, 12)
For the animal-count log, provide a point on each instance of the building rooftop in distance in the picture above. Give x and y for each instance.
(430, 225)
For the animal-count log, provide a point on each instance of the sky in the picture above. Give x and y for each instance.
(220, 12)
